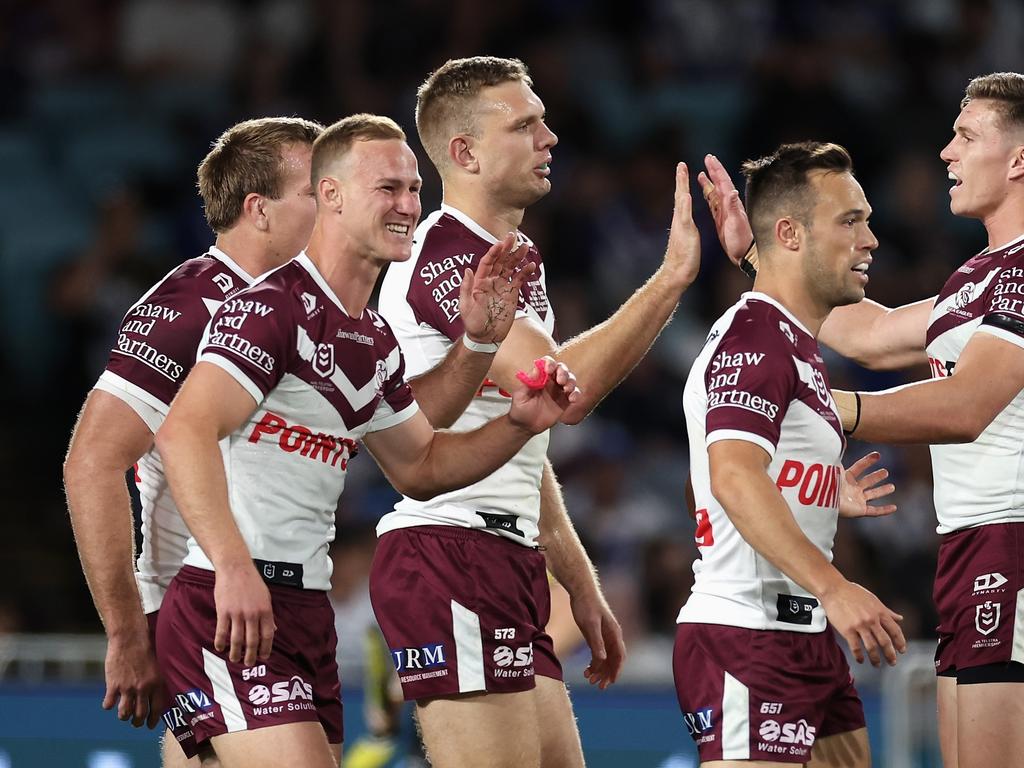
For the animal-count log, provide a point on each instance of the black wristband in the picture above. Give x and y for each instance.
(856, 422)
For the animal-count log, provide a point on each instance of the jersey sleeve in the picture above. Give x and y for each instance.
(156, 346)
(253, 337)
(398, 403)
(750, 382)
(1004, 313)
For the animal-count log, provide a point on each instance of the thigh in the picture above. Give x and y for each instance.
(842, 750)
(302, 744)
(559, 737)
(989, 718)
(172, 756)
(484, 730)
(946, 690)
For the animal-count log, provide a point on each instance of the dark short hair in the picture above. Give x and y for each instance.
(338, 138)
(246, 159)
(445, 100)
(779, 184)
(1004, 88)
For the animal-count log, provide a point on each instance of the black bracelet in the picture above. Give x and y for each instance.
(748, 269)
(856, 422)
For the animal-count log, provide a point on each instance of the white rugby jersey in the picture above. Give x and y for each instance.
(155, 349)
(321, 380)
(760, 378)
(980, 483)
(420, 299)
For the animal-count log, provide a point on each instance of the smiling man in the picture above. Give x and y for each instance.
(499, 699)
(759, 677)
(971, 412)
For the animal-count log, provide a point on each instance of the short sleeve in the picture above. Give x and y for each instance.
(750, 382)
(1004, 313)
(398, 403)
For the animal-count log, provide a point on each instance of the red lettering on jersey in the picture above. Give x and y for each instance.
(790, 475)
(704, 536)
(302, 439)
(493, 384)
(814, 475)
(829, 496)
(940, 368)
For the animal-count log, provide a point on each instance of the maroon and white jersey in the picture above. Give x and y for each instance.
(420, 298)
(982, 482)
(321, 380)
(155, 349)
(760, 378)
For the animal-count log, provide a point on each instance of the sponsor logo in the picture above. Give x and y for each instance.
(966, 270)
(989, 581)
(150, 355)
(794, 609)
(800, 733)
(821, 388)
(784, 327)
(735, 363)
(323, 359)
(423, 657)
(771, 708)
(377, 320)
(745, 400)
(239, 345)
(502, 521)
(964, 295)
(155, 311)
(703, 535)
(246, 307)
(191, 702)
(294, 694)
(1010, 284)
(224, 282)
(513, 662)
(381, 374)
(986, 617)
(818, 484)
(277, 572)
(434, 269)
(356, 337)
(508, 633)
(297, 439)
(309, 302)
(700, 721)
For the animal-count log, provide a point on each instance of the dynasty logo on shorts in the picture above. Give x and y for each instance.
(420, 663)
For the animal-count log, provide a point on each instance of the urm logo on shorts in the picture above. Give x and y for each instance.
(424, 657)
(699, 721)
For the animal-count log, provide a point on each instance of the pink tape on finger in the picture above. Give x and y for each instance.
(539, 379)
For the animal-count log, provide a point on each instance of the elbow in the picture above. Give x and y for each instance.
(725, 482)
(577, 412)
(967, 428)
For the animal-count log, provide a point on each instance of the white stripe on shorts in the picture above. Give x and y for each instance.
(469, 649)
(224, 692)
(735, 720)
(1017, 654)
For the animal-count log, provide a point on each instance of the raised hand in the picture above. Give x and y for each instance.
(535, 407)
(727, 210)
(245, 616)
(488, 296)
(856, 489)
(683, 251)
(865, 623)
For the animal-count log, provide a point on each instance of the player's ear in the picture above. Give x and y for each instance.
(253, 210)
(1016, 171)
(328, 193)
(461, 153)
(789, 233)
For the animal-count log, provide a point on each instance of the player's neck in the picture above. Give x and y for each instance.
(1005, 224)
(350, 275)
(497, 219)
(248, 252)
(794, 297)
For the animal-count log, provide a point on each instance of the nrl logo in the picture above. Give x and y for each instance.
(323, 359)
(986, 617)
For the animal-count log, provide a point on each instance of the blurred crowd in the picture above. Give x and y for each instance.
(108, 106)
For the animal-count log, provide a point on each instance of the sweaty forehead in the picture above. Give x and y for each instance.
(511, 100)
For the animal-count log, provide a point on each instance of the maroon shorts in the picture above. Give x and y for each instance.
(298, 683)
(749, 694)
(462, 611)
(978, 595)
(174, 717)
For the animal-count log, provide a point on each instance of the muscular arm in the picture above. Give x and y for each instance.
(108, 439)
(569, 564)
(604, 355)
(955, 409)
(422, 463)
(210, 406)
(740, 482)
(878, 337)
(446, 390)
